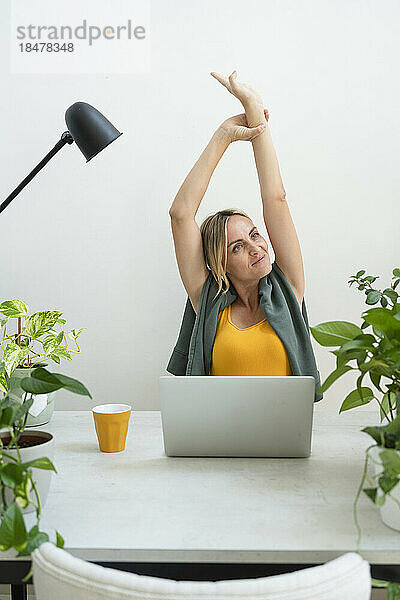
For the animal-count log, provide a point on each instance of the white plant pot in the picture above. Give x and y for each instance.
(43, 417)
(41, 477)
(390, 511)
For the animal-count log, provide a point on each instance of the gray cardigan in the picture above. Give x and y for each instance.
(193, 350)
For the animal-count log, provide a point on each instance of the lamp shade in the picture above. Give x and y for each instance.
(90, 129)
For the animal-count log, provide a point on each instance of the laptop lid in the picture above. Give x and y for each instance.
(263, 416)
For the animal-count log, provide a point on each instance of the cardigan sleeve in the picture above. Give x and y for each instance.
(179, 357)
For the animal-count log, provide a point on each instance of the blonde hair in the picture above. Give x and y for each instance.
(215, 245)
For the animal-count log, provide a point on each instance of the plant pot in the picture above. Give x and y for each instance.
(18, 394)
(43, 447)
(390, 511)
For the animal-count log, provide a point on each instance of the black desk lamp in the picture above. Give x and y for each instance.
(87, 127)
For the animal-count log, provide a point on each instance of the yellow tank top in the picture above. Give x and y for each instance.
(255, 350)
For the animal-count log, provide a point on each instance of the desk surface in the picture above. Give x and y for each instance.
(140, 505)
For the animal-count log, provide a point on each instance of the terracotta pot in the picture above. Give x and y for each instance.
(32, 444)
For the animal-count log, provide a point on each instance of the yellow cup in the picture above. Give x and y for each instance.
(111, 423)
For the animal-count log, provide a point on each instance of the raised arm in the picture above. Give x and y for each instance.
(192, 190)
(278, 221)
(185, 231)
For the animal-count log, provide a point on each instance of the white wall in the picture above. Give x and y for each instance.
(94, 240)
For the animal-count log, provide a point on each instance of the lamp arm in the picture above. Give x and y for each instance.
(66, 138)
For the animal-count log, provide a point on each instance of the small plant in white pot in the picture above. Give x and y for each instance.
(25, 471)
(38, 338)
(377, 355)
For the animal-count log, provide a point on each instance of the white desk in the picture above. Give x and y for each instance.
(140, 506)
(144, 506)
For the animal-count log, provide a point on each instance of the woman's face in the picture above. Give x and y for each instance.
(247, 258)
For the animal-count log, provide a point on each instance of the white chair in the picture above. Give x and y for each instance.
(60, 576)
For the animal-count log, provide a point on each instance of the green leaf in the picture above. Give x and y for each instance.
(384, 321)
(3, 383)
(12, 529)
(39, 463)
(59, 540)
(376, 365)
(371, 493)
(353, 399)
(360, 273)
(35, 386)
(22, 491)
(51, 342)
(34, 539)
(11, 474)
(385, 435)
(373, 297)
(393, 591)
(333, 377)
(377, 433)
(13, 356)
(375, 378)
(73, 385)
(20, 410)
(74, 333)
(394, 426)
(14, 308)
(384, 301)
(360, 342)
(335, 333)
(62, 352)
(41, 374)
(392, 294)
(380, 500)
(388, 402)
(370, 278)
(7, 416)
(396, 272)
(391, 461)
(384, 406)
(387, 482)
(68, 383)
(41, 322)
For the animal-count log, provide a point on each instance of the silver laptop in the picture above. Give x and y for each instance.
(237, 416)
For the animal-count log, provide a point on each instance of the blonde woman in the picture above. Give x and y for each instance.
(243, 315)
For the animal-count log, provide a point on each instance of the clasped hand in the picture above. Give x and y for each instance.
(236, 128)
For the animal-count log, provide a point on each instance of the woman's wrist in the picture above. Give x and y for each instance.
(252, 100)
(254, 110)
(221, 136)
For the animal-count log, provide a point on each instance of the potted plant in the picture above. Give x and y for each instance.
(21, 452)
(21, 352)
(377, 354)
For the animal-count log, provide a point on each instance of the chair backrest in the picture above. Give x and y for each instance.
(60, 576)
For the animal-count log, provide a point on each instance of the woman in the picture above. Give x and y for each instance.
(256, 322)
